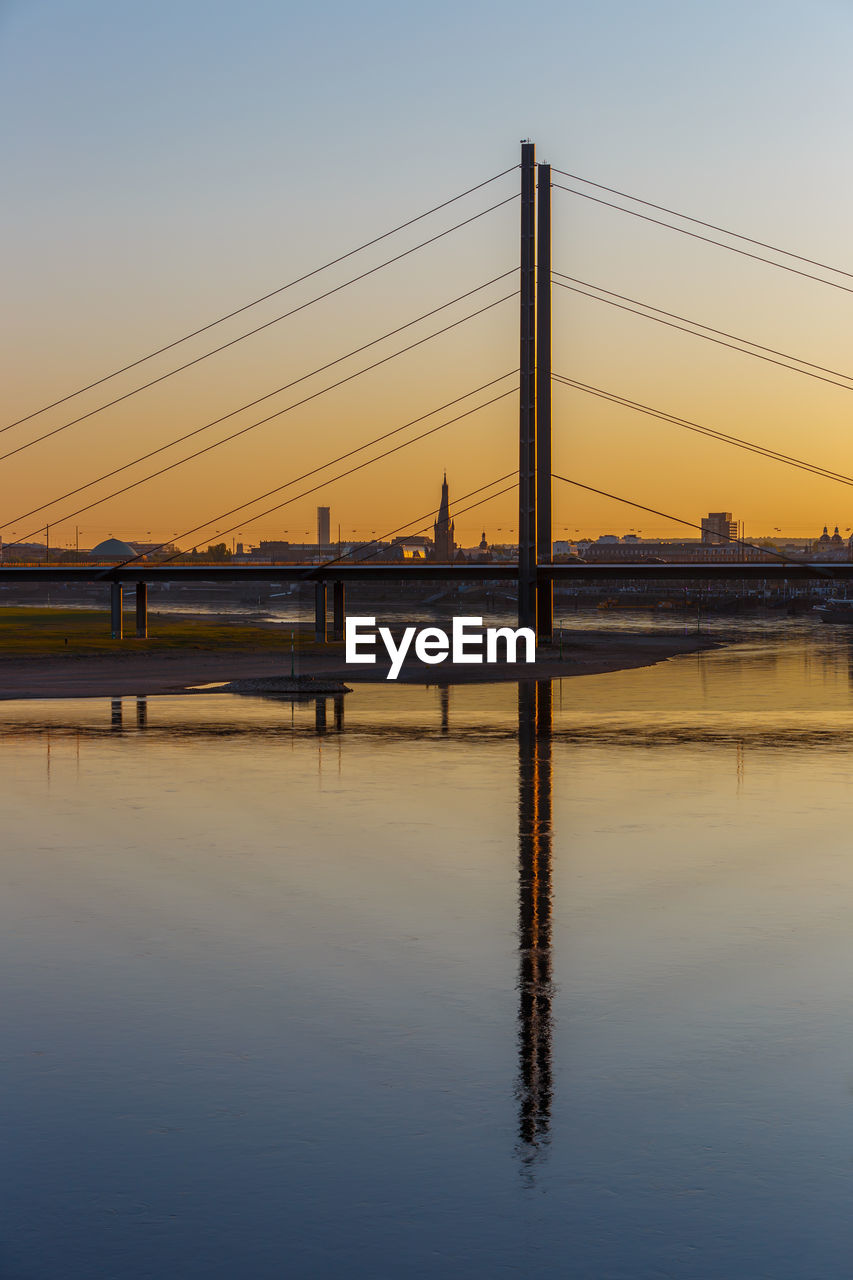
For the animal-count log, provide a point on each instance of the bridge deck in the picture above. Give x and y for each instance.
(794, 571)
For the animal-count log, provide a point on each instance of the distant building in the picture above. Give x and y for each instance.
(444, 547)
(23, 552)
(273, 551)
(832, 546)
(113, 549)
(162, 549)
(718, 526)
(411, 546)
(312, 553)
(824, 542)
(482, 553)
(324, 527)
(612, 550)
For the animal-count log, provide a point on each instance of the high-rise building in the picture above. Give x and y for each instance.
(324, 527)
(444, 548)
(718, 526)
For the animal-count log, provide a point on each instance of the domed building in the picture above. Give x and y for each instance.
(113, 549)
(827, 542)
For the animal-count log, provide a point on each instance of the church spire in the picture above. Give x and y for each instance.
(444, 546)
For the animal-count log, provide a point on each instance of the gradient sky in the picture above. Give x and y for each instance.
(166, 162)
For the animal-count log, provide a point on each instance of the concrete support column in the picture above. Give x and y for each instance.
(338, 704)
(320, 612)
(116, 610)
(142, 610)
(320, 715)
(338, 609)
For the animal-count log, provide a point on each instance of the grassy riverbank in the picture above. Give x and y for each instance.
(34, 632)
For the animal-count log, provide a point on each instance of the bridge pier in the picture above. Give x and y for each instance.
(320, 715)
(320, 612)
(338, 609)
(142, 610)
(116, 610)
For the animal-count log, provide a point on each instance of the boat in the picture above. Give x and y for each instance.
(835, 609)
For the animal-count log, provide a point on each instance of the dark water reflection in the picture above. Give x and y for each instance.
(534, 914)
(546, 979)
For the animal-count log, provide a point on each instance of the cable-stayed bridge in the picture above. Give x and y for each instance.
(527, 286)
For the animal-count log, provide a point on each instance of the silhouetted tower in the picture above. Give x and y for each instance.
(444, 529)
(324, 527)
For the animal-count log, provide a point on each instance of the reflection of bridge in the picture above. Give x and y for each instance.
(534, 1085)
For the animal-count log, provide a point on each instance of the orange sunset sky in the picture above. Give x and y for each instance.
(166, 164)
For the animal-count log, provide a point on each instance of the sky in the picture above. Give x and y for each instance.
(166, 163)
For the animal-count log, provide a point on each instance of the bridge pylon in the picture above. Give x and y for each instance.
(527, 394)
(535, 599)
(544, 544)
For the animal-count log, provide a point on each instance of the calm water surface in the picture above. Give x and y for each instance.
(428, 992)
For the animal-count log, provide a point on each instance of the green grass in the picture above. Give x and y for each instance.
(31, 632)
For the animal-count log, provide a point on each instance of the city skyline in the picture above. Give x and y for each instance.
(700, 530)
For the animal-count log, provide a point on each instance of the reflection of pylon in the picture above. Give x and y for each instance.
(444, 699)
(739, 763)
(534, 1088)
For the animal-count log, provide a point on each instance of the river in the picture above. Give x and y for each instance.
(468, 982)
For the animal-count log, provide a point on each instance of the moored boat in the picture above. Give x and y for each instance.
(836, 609)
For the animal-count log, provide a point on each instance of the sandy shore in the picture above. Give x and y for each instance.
(126, 674)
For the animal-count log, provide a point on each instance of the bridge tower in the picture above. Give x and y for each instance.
(527, 395)
(535, 600)
(544, 536)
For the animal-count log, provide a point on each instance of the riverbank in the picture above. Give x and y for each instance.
(44, 654)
